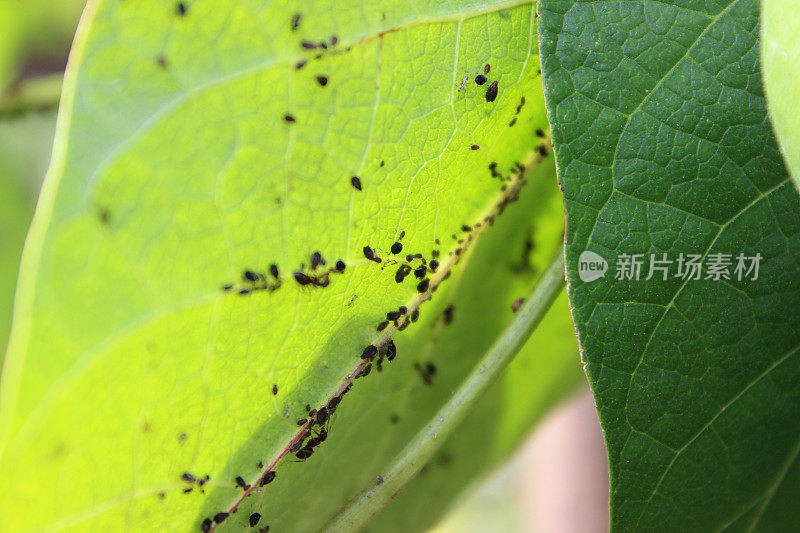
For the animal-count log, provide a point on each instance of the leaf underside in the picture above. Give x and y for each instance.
(200, 142)
(663, 146)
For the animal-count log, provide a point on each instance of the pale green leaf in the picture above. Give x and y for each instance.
(175, 171)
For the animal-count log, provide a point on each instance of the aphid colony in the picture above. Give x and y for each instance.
(480, 79)
(315, 425)
(317, 276)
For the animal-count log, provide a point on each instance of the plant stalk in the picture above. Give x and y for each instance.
(34, 94)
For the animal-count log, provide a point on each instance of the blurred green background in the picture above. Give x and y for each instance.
(34, 42)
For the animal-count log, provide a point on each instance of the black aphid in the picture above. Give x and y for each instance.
(334, 40)
(430, 368)
(308, 45)
(296, 446)
(268, 477)
(448, 313)
(296, 21)
(402, 309)
(486, 68)
(392, 315)
(434, 264)
(273, 269)
(423, 285)
(249, 275)
(244, 291)
(333, 403)
(369, 253)
(290, 118)
(382, 325)
(205, 526)
(427, 377)
(241, 483)
(301, 278)
(305, 453)
(188, 478)
(542, 150)
(397, 248)
(369, 352)
(356, 182)
(480, 79)
(220, 517)
(254, 518)
(540, 133)
(322, 415)
(274, 390)
(181, 8)
(340, 266)
(316, 260)
(491, 92)
(420, 272)
(302, 422)
(466, 228)
(391, 350)
(414, 315)
(322, 80)
(474, 147)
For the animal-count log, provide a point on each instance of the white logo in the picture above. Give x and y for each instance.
(591, 266)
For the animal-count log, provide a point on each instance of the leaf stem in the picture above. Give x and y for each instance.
(33, 94)
(421, 448)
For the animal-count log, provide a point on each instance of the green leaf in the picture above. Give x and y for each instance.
(780, 51)
(663, 146)
(175, 171)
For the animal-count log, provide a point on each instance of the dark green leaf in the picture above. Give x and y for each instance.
(663, 146)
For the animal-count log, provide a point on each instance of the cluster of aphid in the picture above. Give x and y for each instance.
(426, 372)
(372, 353)
(210, 523)
(193, 481)
(480, 79)
(316, 276)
